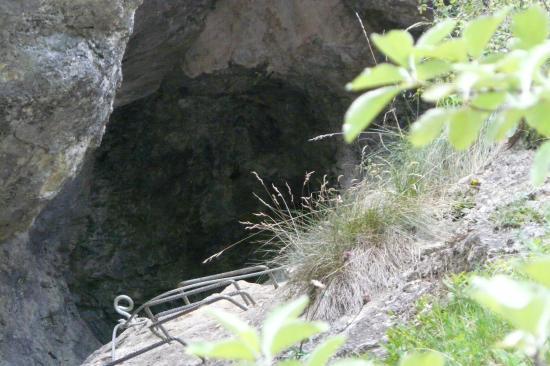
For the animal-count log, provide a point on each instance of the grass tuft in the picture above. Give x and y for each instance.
(343, 246)
(516, 214)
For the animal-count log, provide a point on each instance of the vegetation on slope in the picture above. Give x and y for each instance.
(341, 244)
(358, 240)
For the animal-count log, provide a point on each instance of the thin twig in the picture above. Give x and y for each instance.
(367, 38)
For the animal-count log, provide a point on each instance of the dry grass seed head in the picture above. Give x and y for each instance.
(358, 241)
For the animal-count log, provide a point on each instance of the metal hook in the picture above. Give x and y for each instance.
(121, 309)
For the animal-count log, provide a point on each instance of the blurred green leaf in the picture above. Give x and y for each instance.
(353, 362)
(478, 32)
(325, 351)
(437, 92)
(464, 127)
(503, 123)
(453, 50)
(541, 164)
(497, 82)
(530, 26)
(520, 303)
(437, 33)
(230, 349)
(489, 101)
(429, 358)
(279, 318)
(245, 332)
(397, 45)
(289, 363)
(292, 332)
(431, 69)
(539, 268)
(521, 340)
(365, 108)
(383, 74)
(429, 126)
(512, 61)
(537, 117)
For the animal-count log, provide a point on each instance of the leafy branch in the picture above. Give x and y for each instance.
(500, 89)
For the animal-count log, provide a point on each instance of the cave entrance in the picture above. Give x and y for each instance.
(172, 178)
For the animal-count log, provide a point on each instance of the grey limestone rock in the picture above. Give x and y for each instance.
(60, 66)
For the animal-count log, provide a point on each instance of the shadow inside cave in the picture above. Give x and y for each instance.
(172, 179)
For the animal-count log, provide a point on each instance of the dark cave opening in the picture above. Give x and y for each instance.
(172, 179)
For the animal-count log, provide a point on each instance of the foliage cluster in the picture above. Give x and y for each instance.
(496, 87)
(501, 88)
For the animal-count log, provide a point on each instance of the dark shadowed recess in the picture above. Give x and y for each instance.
(172, 178)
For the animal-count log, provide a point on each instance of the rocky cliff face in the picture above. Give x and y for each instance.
(212, 90)
(59, 69)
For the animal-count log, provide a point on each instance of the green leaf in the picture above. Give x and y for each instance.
(432, 69)
(437, 33)
(530, 26)
(383, 74)
(531, 68)
(519, 340)
(230, 349)
(281, 318)
(365, 108)
(289, 363)
(453, 50)
(353, 362)
(497, 82)
(539, 268)
(537, 117)
(397, 45)
(464, 127)
(289, 311)
(503, 123)
(290, 333)
(478, 32)
(325, 351)
(489, 101)
(541, 165)
(499, 290)
(245, 332)
(429, 126)
(512, 61)
(522, 304)
(429, 358)
(437, 92)
(469, 80)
